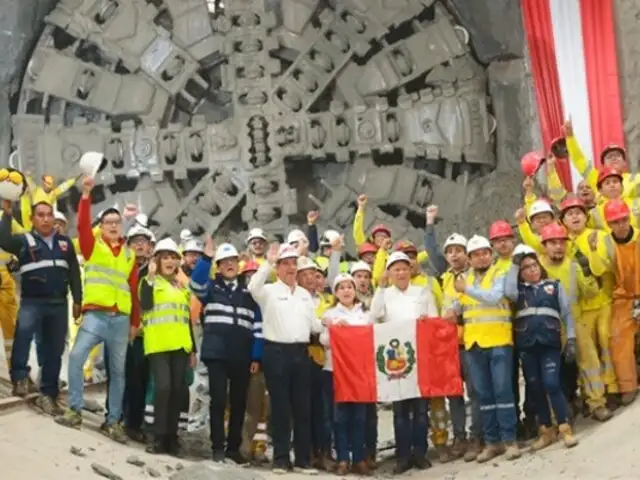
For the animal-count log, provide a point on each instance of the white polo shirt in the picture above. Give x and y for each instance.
(394, 305)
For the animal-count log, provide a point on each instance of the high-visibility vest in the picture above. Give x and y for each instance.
(486, 325)
(166, 325)
(106, 277)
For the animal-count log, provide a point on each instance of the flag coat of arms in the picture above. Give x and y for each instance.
(388, 362)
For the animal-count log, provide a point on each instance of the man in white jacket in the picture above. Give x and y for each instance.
(403, 302)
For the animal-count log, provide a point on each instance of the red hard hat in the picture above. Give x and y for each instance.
(554, 231)
(606, 172)
(367, 248)
(380, 228)
(405, 246)
(616, 210)
(500, 229)
(610, 148)
(572, 201)
(530, 163)
(250, 266)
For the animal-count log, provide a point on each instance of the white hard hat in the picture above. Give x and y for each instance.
(397, 257)
(287, 251)
(360, 267)
(256, 233)
(540, 206)
(305, 263)
(296, 236)
(224, 251)
(192, 246)
(328, 237)
(185, 235)
(57, 215)
(138, 230)
(167, 245)
(152, 237)
(477, 243)
(455, 239)
(343, 277)
(523, 249)
(142, 220)
(91, 163)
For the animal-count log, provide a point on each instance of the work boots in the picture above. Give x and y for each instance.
(566, 434)
(444, 455)
(21, 388)
(473, 450)
(459, 448)
(545, 438)
(361, 469)
(489, 452)
(628, 398)
(602, 414)
(342, 469)
(512, 451)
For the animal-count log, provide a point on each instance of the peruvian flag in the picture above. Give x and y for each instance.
(388, 362)
(574, 62)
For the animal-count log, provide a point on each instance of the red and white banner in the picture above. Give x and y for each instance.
(395, 361)
(572, 48)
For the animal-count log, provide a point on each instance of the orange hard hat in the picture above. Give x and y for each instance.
(250, 266)
(606, 172)
(572, 201)
(500, 229)
(616, 210)
(405, 246)
(367, 248)
(530, 163)
(380, 228)
(611, 147)
(554, 231)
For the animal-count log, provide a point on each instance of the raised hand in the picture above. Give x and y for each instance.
(210, 247)
(87, 184)
(312, 217)
(362, 201)
(272, 253)
(432, 213)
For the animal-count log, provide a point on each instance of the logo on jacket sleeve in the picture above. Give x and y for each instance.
(64, 245)
(549, 289)
(395, 360)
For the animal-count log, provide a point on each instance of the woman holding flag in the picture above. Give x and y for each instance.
(349, 418)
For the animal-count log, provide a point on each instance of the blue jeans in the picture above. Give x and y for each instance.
(112, 330)
(51, 321)
(410, 425)
(475, 429)
(490, 372)
(371, 430)
(350, 420)
(327, 414)
(541, 367)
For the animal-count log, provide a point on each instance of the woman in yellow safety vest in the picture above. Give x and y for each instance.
(168, 341)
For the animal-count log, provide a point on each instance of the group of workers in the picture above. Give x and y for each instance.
(559, 305)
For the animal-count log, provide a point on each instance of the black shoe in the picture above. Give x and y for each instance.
(136, 435)
(613, 401)
(421, 462)
(174, 448)
(218, 456)
(157, 446)
(236, 457)
(402, 465)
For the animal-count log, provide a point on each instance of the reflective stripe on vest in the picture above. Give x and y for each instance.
(30, 267)
(531, 311)
(166, 313)
(210, 317)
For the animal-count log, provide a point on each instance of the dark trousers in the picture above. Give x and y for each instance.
(569, 379)
(371, 430)
(410, 425)
(350, 421)
(232, 376)
(318, 435)
(527, 407)
(50, 321)
(541, 365)
(286, 372)
(168, 370)
(327, 414)
(136, 378)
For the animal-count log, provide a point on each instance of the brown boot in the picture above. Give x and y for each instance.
(567, 435)
(342, 469)
(489, 452)
(628, 398)
(21, 388)
(512, 451)
(371, 462)
(602, 414)
(459, 448)
(361, 469)
(444, 455)
(473, 450)
(545, 438)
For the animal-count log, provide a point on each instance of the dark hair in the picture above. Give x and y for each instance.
(543, 272)
(35, 205)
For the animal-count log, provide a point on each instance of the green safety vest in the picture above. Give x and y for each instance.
(106, 277)
(167, 325)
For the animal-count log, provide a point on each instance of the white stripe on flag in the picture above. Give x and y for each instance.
(396, 359)
(569, 52)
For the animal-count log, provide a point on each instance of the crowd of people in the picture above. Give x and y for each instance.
(556, 298)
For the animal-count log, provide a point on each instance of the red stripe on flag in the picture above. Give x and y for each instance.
(603, 80)
(539, 32)
(354, 366)
(439, 373)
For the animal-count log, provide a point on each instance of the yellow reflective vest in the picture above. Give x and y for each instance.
(323, 302)
(487, 326)
(166, 325)
(106, 277)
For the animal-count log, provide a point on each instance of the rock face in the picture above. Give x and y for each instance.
(266, 152)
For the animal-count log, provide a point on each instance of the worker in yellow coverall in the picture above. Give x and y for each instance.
(619, 254)
(8, 297)
(47, 192)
